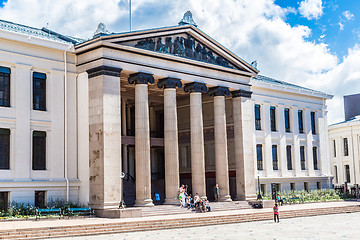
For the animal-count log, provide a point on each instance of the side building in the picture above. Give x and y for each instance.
(344, 140)
(290, 146)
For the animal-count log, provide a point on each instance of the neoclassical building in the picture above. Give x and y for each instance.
(159, 107)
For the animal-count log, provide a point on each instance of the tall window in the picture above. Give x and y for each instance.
(40, 199)
(257, 117)
(334, 145)
(275, 157)
(4, 148)
(306, 186)
(272, 118)
(287, 119)
(288, 157)
(318, 185)
(302, 157)
(4, 87)
(4, 200)
(259, 157)
(292, 186)
(301, 122)
(313, 127)
(346, 147)
(39, 91)
(39, 150)
(336, 175)
(315, 158)
(347, 173)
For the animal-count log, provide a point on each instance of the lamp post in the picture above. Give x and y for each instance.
(259, 197)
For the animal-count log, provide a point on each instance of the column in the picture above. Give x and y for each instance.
(104, 137)
(267, 148)
(124, 133)
(221, 151)
(309, 144)
(197, 137)
(172, 181)
(142, 138)
(23, 136)
(282, 146)
(243, 110)
(295, 154)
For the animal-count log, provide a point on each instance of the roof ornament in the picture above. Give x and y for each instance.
(101, 31)
(187, 19)
(254, 64)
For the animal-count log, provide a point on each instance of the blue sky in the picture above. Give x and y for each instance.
(338, 26)
(313, 43)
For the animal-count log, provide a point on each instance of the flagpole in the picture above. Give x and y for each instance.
(130, 13)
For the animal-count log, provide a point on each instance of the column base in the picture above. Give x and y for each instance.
(144, 203)
(245, 198)
(225, 198)
(172, 201)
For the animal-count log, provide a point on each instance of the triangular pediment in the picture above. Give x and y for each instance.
(186, 42)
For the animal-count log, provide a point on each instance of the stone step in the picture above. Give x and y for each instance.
(143, 225)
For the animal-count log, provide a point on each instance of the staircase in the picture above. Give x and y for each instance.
(187, 220)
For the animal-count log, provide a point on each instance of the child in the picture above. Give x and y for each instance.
(276, 213)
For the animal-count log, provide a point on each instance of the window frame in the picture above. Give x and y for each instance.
(313, 123)
(289, 157)
(257, 109)
(39, 104)
(273, 118)
(5, 135)
(347, 173)
(259, 157)
(287, 120)
(346, 147)
(275, 160)
(315, 158)
(302, 158)
(39, 137)
(334, 146)
(301, 121)
(5, 86)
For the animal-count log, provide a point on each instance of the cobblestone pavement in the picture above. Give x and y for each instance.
(337, 226)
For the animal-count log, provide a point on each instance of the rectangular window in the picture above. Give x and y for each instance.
(257, 117)
(275, 157)
(40, 199)
(346, 147)
(315, 158)
(318, 185)
(306, 186)
(4, 87)
(336, 175)
(263, 189)
(4, 200)
(4, 148)
(39, 150)
(334, 145)
(39, 91)
(292, 187)
(347, 173)
(273, 118)
(300, 120)
(313, 127)
(302, 157)
(259, 157)
(287, 119)
(288, 157)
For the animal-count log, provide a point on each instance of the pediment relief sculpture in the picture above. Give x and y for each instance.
(182, 46)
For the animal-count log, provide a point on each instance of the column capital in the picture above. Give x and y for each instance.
(219, 91)
(169, 83)
(195, 87)
(103, 70)
(241, 93)
(141, 78)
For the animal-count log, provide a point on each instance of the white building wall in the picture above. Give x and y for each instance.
(267, 96)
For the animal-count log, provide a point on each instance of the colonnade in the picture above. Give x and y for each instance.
(242, 114)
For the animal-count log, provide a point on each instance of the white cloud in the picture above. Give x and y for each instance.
(254, 30)
(348, 15)
(341, 26)
(311, 9)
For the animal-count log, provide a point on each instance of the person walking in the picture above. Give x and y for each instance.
(216, 192)
(276, 212)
